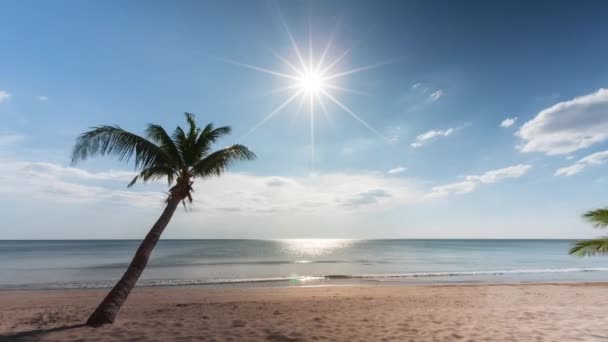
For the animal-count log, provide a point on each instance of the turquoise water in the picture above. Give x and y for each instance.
(99, 263)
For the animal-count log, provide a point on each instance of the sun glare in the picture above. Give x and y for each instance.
(311, 83)
(313, 80)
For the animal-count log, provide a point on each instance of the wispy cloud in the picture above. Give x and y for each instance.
(508, 122)
(570, 170)
(56, 183)
(567, 126)
(43, 169)
(597, 158)
(4, 96)
(463, 187)
(395, 170)
(42, 98)
(368, 197)
(323, 193)
(393, 134)
(498, 175)
(431, 135)
(436, 95)
(11, 138)
(238, 193)
(470, 183)
(415, 86)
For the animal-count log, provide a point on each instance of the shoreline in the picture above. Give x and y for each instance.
(480, 312)
(332, 283)
(244, 285)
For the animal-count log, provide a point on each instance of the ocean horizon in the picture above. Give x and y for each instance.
(74, 264)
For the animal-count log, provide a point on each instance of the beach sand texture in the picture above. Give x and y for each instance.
(545, 312)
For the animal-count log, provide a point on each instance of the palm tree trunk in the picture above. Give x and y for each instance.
(108, 309)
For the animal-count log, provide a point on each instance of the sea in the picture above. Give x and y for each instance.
(74, 264)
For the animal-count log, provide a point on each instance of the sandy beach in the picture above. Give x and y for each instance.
(543, 312)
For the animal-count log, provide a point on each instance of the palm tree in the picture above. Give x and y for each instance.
(180, 158)
(599, 219)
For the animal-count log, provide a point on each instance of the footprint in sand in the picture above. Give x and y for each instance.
(238, 323)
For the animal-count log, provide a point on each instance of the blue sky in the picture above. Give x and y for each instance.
(494, 117)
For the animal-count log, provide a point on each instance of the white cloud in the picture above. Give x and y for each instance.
(567, 126)
(368, 197)
(43, 169)
(42, 98)
(328, 193)
(436, 95)
(398, 169)
(495, 176)
(393, 134)
(508, 122)
(280, 181)
(458, 188)
(4, 96)
(570, 170)
(234, 193)
(415, 86)
(237, 193)
(56, 183)
(431, 135)
(597, 158)
(11, 139)
(472, 182)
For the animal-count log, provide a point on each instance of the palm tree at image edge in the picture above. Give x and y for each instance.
(599, 219)
(180, 159)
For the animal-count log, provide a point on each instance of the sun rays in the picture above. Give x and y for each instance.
(311, 79)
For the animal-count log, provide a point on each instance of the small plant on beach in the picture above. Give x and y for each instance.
(179, 158)
(599, 219)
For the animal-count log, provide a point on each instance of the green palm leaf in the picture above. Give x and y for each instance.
(180, 139)
(209, 136)
(158, 134)
(180, 158)
(217, 162)
(113, 140)
(597, 217)
(154, 173)
(590, 247)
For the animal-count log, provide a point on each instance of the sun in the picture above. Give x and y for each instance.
(311, 82)
(312, 79)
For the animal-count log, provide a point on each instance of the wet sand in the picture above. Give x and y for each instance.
(543, 312)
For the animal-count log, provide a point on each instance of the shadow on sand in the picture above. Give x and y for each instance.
(33, 335)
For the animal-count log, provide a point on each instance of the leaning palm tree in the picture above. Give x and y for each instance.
(599, 219)
(179, 158)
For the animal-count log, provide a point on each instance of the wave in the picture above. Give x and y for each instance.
(237, 262)
(470, 273)
(298, 280)
(158, 282)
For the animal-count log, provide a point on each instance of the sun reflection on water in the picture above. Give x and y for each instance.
(315, 247)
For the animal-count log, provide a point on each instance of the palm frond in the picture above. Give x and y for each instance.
(590, 247)
(154, 173)
(158, 134)
(208, 136)
(191, 120)
(193, 153)
(217, 162)
(180, 157)
(597, 217)
(113, 140)
(181, 142)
